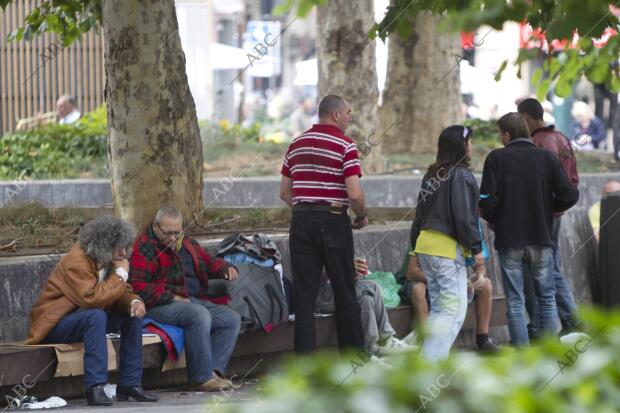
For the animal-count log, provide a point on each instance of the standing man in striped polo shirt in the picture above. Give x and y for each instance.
(320, 180)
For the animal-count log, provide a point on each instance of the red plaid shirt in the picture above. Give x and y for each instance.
(156, 273)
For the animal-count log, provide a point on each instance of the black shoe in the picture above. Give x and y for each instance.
(95, 396)
(488, 347)
(570, 327)
(136, 392)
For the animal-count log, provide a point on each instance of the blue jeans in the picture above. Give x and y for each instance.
(517, 264)
(563, 295)
(91, 326)
(447, 289)
(211, 332)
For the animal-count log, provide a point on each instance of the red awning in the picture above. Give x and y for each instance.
(535, 39)
(467, 40)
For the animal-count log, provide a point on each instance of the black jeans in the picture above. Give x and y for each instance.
(317, 239)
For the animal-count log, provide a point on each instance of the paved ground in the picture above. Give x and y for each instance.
(176, 401)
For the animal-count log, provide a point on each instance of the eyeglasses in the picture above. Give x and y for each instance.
(168, 233)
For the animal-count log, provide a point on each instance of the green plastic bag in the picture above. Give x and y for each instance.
(389, 287)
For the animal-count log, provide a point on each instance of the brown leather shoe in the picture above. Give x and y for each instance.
(229, 384)
(213, 384)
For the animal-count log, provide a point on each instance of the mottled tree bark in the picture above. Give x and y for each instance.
(422, 92)
(154, 147)
(347, 67)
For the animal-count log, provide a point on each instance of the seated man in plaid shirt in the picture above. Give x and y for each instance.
(170, 272)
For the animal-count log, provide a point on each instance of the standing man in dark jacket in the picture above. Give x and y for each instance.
(522, 186)
(546, 137)
(320, 179)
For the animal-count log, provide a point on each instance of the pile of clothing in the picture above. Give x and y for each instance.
(254, 249)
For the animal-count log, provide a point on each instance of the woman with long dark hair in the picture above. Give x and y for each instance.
(444, 233)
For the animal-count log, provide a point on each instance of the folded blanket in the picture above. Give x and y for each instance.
(172, 336)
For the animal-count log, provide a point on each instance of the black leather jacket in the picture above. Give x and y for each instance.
(448, 203)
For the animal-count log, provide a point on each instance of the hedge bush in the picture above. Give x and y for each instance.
(548, 377)
(53, 150)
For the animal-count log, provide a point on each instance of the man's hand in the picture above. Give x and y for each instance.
(231, 274)
(361, 267)
(479, 266)
(360, 223)
(137, 309)
(414, 270)
(124, 264)
(180, 298)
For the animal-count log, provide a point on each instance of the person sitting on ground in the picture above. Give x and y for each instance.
(171, 271)
(594, 214)
(414, 291)
(379, 336)
(67, 110)
(86, 297)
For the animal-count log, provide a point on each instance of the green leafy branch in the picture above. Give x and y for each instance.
(68, 19)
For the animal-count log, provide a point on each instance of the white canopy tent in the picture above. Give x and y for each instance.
(226, 57)
(307, 73)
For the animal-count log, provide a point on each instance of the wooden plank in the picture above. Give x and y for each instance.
(3, 72)
(49, 103)
(21, 68)
(253, 350)
(100, 69)
(35, 81)
(78, 74)
(66, 78)
(92, 91)
(73, 67)
(24, 364)
(28, 76)
(12, 74)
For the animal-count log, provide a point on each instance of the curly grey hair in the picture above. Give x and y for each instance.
(100, 236)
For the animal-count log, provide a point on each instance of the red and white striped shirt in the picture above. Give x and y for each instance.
(318, 161)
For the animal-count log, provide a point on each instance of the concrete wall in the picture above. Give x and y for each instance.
(22, 279)
(381, 191)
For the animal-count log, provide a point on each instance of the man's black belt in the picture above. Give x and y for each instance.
(332, 208)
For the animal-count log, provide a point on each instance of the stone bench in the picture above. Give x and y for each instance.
(382, 246)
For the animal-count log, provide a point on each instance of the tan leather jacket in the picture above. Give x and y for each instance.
(74, 284)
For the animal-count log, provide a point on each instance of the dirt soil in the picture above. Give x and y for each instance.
(32, 229)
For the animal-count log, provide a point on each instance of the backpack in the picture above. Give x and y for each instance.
(258, 298)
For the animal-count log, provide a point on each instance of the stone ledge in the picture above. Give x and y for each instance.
(381, 191)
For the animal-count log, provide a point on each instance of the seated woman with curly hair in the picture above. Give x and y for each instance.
(87, 296)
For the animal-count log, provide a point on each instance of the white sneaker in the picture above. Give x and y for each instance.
(394, 345)
(572, 339)
(411, 338)
(380, 361)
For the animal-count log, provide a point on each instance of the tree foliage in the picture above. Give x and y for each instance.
(557, 19)
(54, 151)
(580, 375)
(68, 19)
